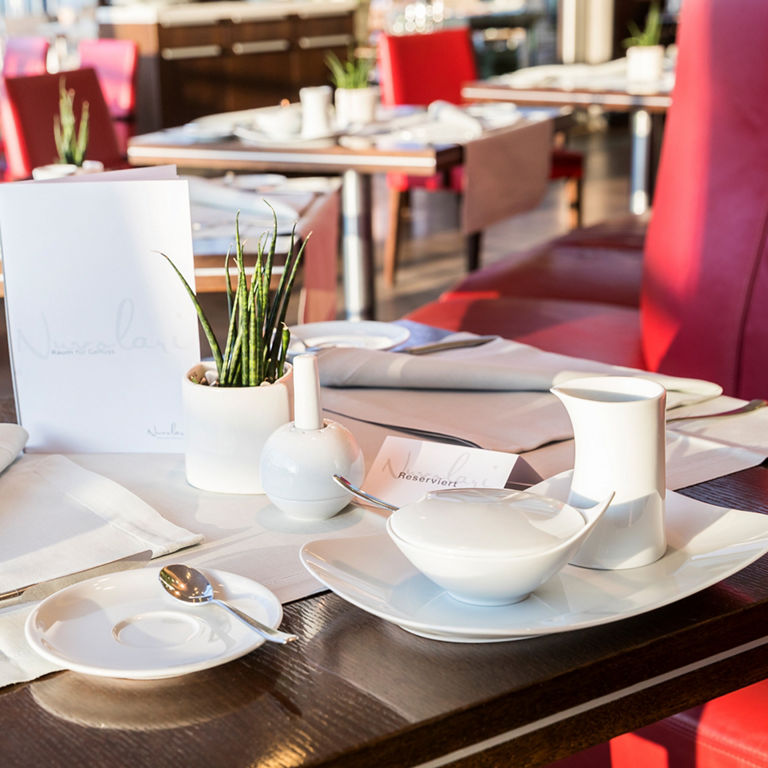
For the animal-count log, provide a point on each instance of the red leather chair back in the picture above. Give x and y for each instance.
(444, 60)
(27, 120)
(115, 63)
(25, 56)
(703, 303)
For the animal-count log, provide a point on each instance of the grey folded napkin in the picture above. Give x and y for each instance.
(498, 366)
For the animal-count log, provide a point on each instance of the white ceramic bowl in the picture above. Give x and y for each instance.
(281, 122)
(488, 546)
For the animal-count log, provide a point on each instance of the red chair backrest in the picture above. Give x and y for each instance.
(25, 56)
(27, 120)
(115, 62)
(419, 69)
(704, 300)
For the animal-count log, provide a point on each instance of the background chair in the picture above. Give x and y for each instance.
(115, 62)
(422, 68)
(25, 56)
(27, 120)
(701, 314)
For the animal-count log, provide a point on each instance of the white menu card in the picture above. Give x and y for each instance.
(100, 328)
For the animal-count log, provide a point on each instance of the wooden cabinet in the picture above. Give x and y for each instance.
(193, 68)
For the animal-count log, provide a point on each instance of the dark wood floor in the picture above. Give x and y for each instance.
(432, 256)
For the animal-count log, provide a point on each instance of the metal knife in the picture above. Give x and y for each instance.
(439, 346)
(33, 592)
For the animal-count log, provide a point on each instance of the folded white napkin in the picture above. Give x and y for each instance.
(13, 438)
(445, 112)
(59, 518)
(217, 195)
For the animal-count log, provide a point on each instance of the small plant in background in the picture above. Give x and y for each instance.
(257, 337)
(651, 34)
(353, 73)
(71, 140)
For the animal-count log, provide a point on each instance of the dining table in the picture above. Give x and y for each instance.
(356, 157)
(357, 689)
(582, 86)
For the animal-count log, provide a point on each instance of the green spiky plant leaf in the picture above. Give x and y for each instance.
(650, 34)
(353, 73)
(71, 140)
(256, 344)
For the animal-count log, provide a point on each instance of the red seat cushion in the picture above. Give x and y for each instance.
(604, 332)
(566, 164)
(727, 732)
(619, 233)
(560, 271)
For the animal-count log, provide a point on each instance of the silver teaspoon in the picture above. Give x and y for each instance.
(191, 586)
(362, 495)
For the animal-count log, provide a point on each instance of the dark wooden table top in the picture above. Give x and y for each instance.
(164, 147)
(612, 100)
(357, 691)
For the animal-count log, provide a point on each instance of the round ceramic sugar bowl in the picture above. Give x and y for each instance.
(298, 465)
(489, 546)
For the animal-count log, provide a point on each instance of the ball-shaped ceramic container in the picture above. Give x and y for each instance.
(488, 546)
(297, 468)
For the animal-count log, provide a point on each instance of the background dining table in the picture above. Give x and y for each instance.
(358, 690)
(646, 103)
(356, 160)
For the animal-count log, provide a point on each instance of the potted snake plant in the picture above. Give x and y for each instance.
(645, 54)
(232, 404)
(355, 98)
(71, 139)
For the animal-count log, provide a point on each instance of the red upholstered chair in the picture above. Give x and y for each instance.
(115, 62)
(422, 68)
(27, 120)
(702, 312)
(705, 267)
(25, 56)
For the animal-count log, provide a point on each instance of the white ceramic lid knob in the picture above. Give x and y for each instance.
(308, 414)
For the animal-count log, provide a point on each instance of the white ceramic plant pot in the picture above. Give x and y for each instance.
(225, 429)
(355, 106)
(53, 171)
(645, 63)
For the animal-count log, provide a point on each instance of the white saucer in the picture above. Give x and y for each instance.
(705, 545)
(366, 334)
(126, 625)
(288, 141)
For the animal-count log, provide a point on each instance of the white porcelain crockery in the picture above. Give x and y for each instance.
(225, 429)
(619, 434)
(490, 546)
(300, 458)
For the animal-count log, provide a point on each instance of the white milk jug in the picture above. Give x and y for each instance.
(619, 434)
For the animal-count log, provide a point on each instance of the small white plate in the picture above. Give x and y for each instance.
(288, 141)
(365, 334)
(254, 182)
(705, 545)
(126, 625)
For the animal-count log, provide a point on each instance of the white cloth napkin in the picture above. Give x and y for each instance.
(445, 112)
(214, 194)
(58, 518)
(13, 438)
